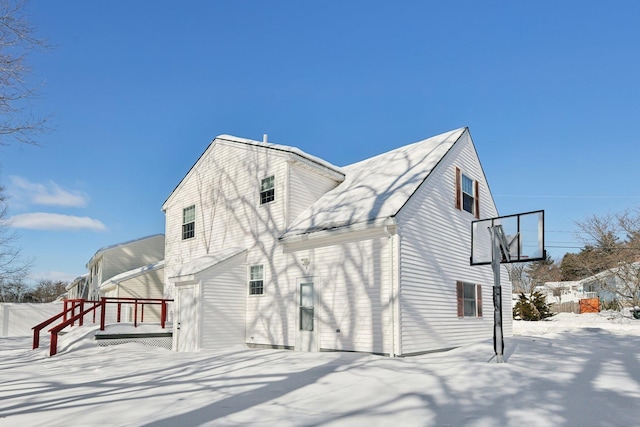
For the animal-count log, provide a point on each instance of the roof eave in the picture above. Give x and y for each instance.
(376, 228)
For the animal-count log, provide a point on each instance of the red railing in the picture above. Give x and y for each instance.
(70, 316)
(137, 302)
(69, 308)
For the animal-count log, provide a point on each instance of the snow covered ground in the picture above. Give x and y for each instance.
(574, 370)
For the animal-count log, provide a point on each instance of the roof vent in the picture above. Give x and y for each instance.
(264, 138)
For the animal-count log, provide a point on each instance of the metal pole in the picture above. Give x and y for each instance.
(498, 339)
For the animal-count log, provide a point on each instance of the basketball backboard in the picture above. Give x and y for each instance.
(521, 238)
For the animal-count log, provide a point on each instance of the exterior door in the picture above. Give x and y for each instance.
(307, 328)
(187, 322)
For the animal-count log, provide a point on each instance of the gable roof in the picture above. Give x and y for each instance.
(115, 280)
(296, 153)
(623, 270)
(377, 188)
(109, 248)
(204, 262)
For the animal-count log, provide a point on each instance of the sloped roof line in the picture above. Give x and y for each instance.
(609, 272)
(377, 187)
(206, 261)
(121, 244)
(267, 145)
(132, 273)
(283, 148)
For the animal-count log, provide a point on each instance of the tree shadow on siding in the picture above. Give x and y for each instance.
(230, 215)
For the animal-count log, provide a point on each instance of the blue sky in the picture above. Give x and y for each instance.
(137, 90)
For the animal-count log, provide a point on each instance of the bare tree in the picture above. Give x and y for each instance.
(16, 42)
(14, 291)
(12, 267)
(17, 124)
(519, 279)
(543, 271)
(47, 290)
(526, 276)
(612, 253)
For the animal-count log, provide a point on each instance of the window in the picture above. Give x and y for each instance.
(306, 306)
(256, 280)
(267, 190)
(469, 297)
(189, 222)
(467, 194)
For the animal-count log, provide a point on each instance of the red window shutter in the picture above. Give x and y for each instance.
(458, 188)
(460, 297)
(477, 200)
(479, 299)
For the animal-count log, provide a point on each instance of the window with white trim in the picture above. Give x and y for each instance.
(469, 296)
(256, 280)
(267, 190)
(467, 194)
(468, 199)
(189, 222)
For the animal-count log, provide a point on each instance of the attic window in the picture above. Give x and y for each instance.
(267, 190)
(467, 194)
(189, 222)
(469, 297)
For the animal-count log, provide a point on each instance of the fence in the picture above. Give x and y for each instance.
(16, 319)
(566, 307)
(75, 311)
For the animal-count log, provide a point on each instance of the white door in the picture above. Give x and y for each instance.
(307, 328)
(187, 322)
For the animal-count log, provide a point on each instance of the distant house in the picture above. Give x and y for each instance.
(271, 247)
(620, 284)
(563, 292)
(129, 269)
(144, 282)
(78, 288)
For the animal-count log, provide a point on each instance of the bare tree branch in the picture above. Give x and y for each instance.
(17, 123)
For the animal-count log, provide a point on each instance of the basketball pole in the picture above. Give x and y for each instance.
(498, 338)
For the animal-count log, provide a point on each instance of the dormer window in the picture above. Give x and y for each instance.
(467, 194)
(267, 190)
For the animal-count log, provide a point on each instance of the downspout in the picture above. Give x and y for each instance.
(392, 311)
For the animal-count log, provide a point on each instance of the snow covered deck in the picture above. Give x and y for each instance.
(151, 334)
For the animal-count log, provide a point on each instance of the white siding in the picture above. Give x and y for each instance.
(305, 187)
(111, 261)
(223, 305)
(147, 285)
(271, 316)
(435, 247)
(224, 187)
(132, 255)
(352, 286)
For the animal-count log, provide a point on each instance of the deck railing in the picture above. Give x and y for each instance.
(75, 311)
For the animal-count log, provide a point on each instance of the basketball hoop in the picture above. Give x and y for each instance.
(503, 240)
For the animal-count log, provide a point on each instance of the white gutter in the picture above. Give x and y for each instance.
(378, 228)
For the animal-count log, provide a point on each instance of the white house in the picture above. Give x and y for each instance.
(621, 284)
(78, 288)
(561, 292)
(126, 257)
(271, 247)
(143, 282)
